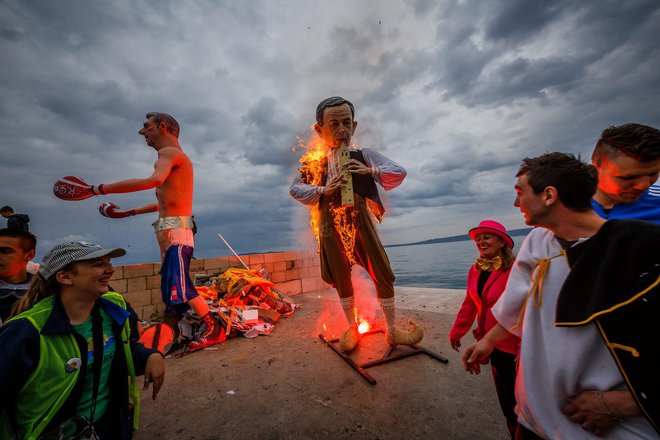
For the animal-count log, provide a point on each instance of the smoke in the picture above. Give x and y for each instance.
(365, 294)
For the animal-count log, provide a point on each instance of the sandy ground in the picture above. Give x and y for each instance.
(291, 385)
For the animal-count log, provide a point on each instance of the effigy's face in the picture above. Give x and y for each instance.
(338, 126)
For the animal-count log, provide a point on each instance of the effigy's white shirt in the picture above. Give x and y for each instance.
(389, 175)
(556, 362)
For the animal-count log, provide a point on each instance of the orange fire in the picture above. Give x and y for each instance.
(311, 169)
(345, 218)
(363, 325)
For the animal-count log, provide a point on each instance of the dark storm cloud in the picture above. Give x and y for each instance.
(10, 34)
(393, 72)
(421, 7)
(477, 74)
(518, 20)
(526, 79)
(367, 50)
(269, 134)
(456, 91)
(74, 99)
(441, 189)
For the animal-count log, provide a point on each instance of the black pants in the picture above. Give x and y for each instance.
(106, 428)
(523, 433)
(503, 367)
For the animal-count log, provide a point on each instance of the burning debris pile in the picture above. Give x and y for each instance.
(244, 302)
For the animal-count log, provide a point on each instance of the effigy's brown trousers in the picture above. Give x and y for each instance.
(369, 253)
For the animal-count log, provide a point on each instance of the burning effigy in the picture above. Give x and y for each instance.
(339, 184)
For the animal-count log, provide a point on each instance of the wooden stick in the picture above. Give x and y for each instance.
(233, 252)
(347, 189)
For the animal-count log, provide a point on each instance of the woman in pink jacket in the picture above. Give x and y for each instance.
(485, 283)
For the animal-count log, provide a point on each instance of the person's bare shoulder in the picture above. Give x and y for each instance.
(174, 154)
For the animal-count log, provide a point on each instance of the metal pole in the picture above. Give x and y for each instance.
(233, 251)
(349, 361)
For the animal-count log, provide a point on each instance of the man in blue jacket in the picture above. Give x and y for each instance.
(627, 158)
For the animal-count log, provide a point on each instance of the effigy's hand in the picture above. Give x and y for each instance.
(455, 343)
(356, 167)
(112, 211)
(334, 185)
(75, 188)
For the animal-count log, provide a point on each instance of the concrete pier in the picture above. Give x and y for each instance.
(290, 385)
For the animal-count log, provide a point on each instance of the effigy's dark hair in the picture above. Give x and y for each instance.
(332, 102)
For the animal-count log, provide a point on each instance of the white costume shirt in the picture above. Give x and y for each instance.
(556, 363)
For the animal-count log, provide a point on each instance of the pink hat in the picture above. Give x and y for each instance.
(494, 228)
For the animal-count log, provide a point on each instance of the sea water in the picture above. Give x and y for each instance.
(438, 265)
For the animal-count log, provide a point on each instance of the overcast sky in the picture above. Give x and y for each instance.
(458, 92)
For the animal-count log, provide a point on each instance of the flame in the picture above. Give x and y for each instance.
(311, 169)
(325, 329)
(345, 218)
(363, 326)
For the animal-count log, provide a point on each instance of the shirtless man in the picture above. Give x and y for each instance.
(173, 181)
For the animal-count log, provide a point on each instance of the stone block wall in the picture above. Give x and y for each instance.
(291, 272)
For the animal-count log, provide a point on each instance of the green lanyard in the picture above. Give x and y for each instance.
(97, 338)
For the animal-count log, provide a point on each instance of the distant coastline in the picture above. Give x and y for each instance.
(464, 237)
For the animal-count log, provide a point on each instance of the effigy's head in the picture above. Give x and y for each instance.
(335, 122)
